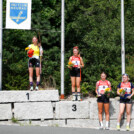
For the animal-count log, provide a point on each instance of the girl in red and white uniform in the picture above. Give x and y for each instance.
(125, 101)
(75, 72)
(102, 99)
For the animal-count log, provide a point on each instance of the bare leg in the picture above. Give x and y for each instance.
(122, 107)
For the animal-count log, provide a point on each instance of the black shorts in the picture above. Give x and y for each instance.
(126, 101)
(103, 99)
(75, 72)
(34, 62)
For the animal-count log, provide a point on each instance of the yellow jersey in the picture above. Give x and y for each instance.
(36, 49)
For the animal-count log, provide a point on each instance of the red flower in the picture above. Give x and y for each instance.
(30, 53)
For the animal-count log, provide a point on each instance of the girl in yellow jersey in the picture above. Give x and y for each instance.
(35, 61)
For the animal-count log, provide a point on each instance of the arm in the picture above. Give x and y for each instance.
(41, 49)
(70, 59)
(109, 85)
(81, 63)
(96, 90)
(129, 97)
(118, 91)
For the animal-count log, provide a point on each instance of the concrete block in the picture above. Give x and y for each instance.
(27, 96)
(34, 110)
(5, 111)
(70, 109)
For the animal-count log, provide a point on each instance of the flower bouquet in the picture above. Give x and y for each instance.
(108, 92)
(122, 92)
(70, 64)
(30, 51)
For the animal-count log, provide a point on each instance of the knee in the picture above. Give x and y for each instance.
(37, 75)
(73, 84)
(100, 112)
(128, 113)
(107, 112)
(78, 85)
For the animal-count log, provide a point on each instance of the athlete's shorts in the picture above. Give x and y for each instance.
(126, 101)
(75, 72)
(103, 99)
(34, 62)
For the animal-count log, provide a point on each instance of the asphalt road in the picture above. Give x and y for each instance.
(54, 130)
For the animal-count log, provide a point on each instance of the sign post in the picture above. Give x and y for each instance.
(62, 47)
(1, 26)
(122, 37)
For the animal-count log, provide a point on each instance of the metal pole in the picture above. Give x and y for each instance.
(122, 37)
(1, 23)
(62, 47)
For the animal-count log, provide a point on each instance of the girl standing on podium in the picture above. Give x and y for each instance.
(125, 99)
(75, 72)
(102, 99)
(35, 50)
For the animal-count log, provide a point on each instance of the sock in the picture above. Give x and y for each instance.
(107, 123)
(31, 84)
(78, 93)
(101, 123)
(37, 83)
(118, 123)
(73, 93)
(128, 123)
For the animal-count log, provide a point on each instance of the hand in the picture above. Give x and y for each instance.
(69, 67)
(121, 95)
(129, 97)
(98, 95)
(39, 44)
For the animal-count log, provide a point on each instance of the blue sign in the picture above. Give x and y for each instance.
(18, 12)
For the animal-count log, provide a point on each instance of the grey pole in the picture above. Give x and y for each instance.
(1, 23)
(122, 37)
(62, 47)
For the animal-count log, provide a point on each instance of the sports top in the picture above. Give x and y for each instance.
(102, 85)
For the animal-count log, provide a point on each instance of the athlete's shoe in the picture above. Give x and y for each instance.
(127, 128)
(118, 127)
(74, 97)
(31, 88)
(78, 97)
(107, 127)
(36, 88)
(101, 127)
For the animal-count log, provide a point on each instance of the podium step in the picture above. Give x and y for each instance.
(29, 96)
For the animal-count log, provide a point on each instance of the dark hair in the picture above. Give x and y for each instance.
(103, 73)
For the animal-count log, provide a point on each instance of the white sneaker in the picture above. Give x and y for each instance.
(31, 88)
(107, 127)
(78, 97)
(101, 127)
(36, 88)
(74, 98)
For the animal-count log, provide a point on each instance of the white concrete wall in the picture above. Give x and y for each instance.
(28, 96)
(45, 109)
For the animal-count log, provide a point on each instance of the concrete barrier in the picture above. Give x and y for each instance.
(114, 109)
(5, 111)
(44, 108)
(70, 109)
(28, 96)
(33, 110)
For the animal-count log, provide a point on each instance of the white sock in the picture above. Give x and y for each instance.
(118, 123)
(101, 123)
(128, 123)
(107, 123)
